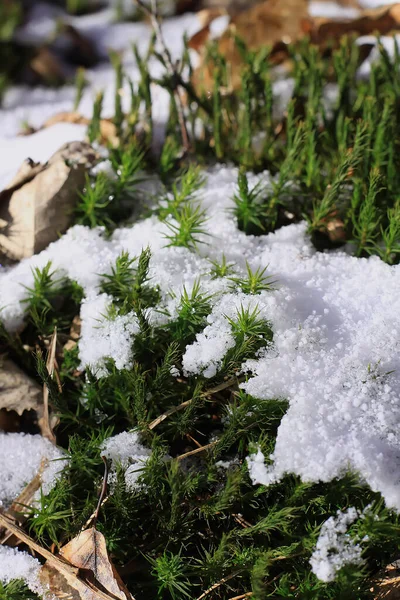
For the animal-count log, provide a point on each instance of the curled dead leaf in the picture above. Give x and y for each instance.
(61, 579)
(39, 206)
(88, 551)
(18, 392)
(47, 68)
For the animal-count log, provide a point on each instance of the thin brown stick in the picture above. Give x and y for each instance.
(172, 71)
(239, 519)
(218, 584)
(169, 412)
(246, 595)
(102, 493)
(197, 450)
(192, 439)
(174, 409)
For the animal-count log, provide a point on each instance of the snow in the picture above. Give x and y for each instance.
(332, 10)
(39, 146)
(324, 313)
(335, 353)
(125, 451)
(21, 457)
(335, 548)
(16, 564)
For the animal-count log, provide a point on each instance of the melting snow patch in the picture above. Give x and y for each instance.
(335, 548)
(335, 353)
(15, 564)
(124, 450)
(21, 457)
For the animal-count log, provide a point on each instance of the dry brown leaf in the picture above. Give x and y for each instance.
(62, 579)
(88, 551)
(38, 210)
(47, 68)
(18, 392)
(269, 23)
(277, 23)
(24, 499)
(47, 422)
(382, 20)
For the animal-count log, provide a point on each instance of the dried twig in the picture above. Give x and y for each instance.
(174, 409)
(197, 450)
(246, 595)
(172, 70)
(169, 412)
(218, 584)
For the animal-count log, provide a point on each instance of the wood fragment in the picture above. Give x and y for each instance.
(217, 585)
(197, 450)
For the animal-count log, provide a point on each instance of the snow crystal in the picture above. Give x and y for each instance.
(335, 548)
(335, 353)
(126, 451)
(104, 336)
(15, 564)
(21, 458)
(257, 468)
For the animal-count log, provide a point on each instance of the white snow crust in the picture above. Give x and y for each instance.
(16, 564)
(335, 354)
(335, 548)
(20, 460)
(126, 451)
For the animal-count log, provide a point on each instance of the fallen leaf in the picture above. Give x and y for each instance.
(38, 210)
(277, 23)
(387, 585)
(88, 551)
(60, 578)
(18, 392)
(269, 23)
(24, 499)
(47, 68)
(48, 422)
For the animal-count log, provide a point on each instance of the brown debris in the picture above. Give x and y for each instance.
(62, 579)
(18, 392)
(387, 587)
(278, 23)
(35, 212)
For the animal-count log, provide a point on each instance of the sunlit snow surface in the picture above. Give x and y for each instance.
(335, 355)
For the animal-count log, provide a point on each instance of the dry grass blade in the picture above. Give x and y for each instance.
(197, 450)
(169, 412)
(24, 499)
(174, 409)
(217, 585)
(45, 425)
